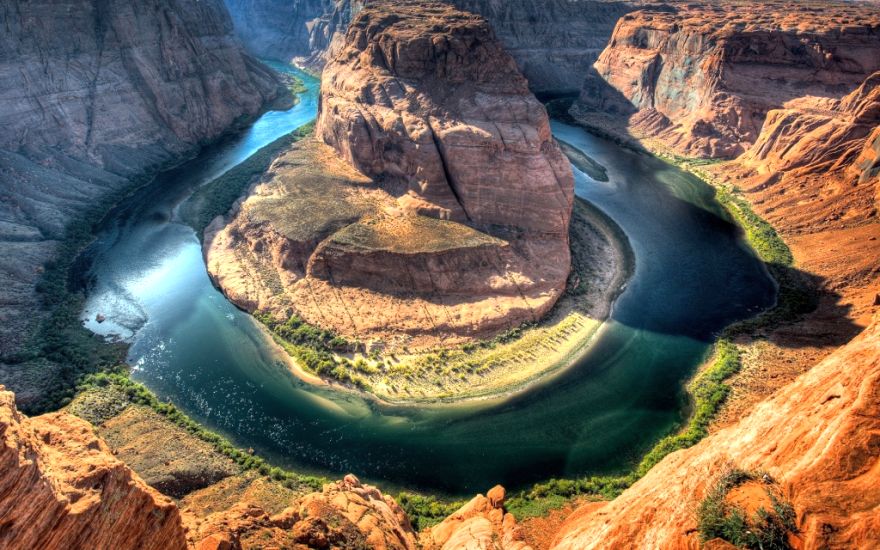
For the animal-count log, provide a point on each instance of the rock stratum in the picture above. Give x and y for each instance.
(62, 487)
(701, 77)
(92, 95)
(434, 204)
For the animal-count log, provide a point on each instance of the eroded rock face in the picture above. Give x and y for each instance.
(93, 93)
(60, 487)
(701, 77)
(818, 437)
(453, 223)
(827, 149)
(424, 97)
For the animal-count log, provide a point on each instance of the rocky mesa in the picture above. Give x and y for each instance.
(434, 204)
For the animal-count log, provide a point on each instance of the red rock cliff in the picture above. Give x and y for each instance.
(703, 76)
(61, 487)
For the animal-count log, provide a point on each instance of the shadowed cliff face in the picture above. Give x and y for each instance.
(702, 77)
(92, 94)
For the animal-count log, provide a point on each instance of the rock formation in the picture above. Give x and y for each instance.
(461, 229)
(701, 77)
(481, 523)
(827, 146)
(60, 487)
(818, 437)
(94, 94)
(346, 514)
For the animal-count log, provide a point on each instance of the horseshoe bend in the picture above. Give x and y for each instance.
(315, 273)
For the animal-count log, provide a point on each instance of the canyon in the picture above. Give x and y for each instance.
(432, 193)
(85, 113)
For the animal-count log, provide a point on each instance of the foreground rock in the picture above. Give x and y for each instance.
(817, 437)
(701, 77)
(93, 95)
(460, 227)
(346, 514)
(481, 523)
(60, 487)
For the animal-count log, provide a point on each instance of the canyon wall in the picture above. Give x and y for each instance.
(828, 149)
(61, 487)
(701, 78)
(554, 42)
(93, 94)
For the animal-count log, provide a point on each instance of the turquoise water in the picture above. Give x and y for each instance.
(693, 276)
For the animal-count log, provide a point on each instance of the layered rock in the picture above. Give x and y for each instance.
(93, 94)
(298, 30)
(61, 487)
(818, 437)
(826, 147)
(701, 77)
(460, 227)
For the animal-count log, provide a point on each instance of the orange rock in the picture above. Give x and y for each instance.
(701, 77)
(61, 487)
(481, 523)
(817, 438)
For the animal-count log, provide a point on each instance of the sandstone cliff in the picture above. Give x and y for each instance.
(460, 228)
(701, 77)
(826, 146)
(93, 94)
(60, 487)
(818, 437)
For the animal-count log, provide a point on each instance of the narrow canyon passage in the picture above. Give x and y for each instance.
(693, 276)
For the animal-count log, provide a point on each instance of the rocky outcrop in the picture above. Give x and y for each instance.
(460, 228)
(94, 94)
(818, 437)
(346, 514)
(702, 77)
(61, 487)
(446, 117)
(481, 523)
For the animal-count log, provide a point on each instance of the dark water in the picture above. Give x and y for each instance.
(693, 276)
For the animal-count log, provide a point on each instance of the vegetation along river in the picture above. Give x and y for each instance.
(694, 275)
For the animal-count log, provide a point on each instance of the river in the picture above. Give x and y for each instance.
(694, 275)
